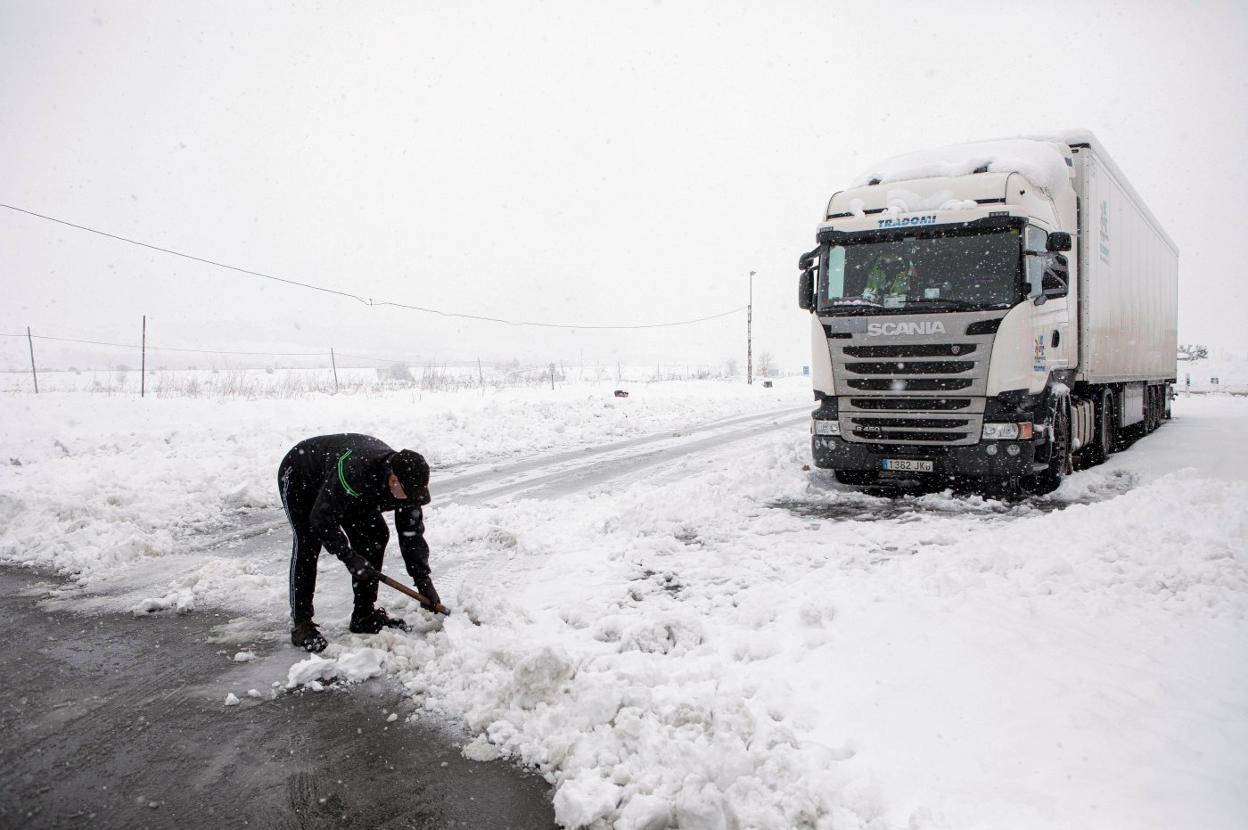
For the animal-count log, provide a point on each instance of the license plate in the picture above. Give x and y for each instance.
(908, 465)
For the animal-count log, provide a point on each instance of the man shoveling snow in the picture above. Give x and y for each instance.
(335, 489)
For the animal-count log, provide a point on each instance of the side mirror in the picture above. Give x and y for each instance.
(1058, 241)
(806, 285)
(806, 290)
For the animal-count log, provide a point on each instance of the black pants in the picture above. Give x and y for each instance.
(367, 534)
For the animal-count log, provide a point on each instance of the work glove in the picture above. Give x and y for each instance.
(425, 586)
(358, 566)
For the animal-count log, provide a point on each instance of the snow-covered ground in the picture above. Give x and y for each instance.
(1222, 371)
(716, 636)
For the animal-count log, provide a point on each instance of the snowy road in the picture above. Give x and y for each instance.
(684, 627)
(553, 475)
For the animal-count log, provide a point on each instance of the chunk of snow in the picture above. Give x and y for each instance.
(481, 750)
(231, 699)
(585, 799)
(181, 601)
(350, 666)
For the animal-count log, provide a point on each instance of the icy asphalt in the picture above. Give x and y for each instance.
(113, 721)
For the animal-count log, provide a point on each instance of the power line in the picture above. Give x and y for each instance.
(152, 348)
(366, 301)
(167, 348)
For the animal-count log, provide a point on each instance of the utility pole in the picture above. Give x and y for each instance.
(34, 374)
(143, 363)
(333, 361)
(749, 335)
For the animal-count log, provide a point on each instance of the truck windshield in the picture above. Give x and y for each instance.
(933, 272)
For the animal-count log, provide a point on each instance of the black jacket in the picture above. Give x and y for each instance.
(349, 473)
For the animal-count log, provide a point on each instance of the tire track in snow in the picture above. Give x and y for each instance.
(552, 476)
(595, 467)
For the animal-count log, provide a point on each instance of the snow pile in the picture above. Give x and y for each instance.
(1042, 162)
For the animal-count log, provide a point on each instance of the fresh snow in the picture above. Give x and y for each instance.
(1041, 162)
(725, 639)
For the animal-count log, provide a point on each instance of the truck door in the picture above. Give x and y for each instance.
(1052, 344)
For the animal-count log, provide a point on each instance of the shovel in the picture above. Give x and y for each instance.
(424, 601)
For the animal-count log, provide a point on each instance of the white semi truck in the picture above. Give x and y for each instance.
(1000, 312)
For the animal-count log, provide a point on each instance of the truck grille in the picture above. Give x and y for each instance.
(932, 404)
(913, 350)
(910, 384)
(908, 437)
(926, 367)
(885, 386)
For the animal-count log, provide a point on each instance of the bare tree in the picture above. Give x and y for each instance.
(1193, 351)
(766, 365)
(730, 367)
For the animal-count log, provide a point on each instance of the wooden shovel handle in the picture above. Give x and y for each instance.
(414, 594)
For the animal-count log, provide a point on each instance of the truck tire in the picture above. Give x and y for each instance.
(1059, 456)
(1150, 409)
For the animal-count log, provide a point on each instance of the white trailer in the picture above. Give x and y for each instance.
(1000, 311)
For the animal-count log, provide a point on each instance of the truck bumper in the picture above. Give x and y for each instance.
(834, 453)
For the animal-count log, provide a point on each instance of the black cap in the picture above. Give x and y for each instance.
(413, 473)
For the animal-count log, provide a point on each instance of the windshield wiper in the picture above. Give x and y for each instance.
(949, 301)
(850, 310)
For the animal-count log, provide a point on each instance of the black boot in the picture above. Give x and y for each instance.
(305, 635)
(372, 620)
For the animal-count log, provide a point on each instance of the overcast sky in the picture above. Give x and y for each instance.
(568, 162)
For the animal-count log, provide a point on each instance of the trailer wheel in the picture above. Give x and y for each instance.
(1150, 409)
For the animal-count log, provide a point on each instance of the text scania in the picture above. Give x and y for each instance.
(929, 327)
(908, 220)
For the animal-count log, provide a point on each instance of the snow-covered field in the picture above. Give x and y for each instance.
(720, 637)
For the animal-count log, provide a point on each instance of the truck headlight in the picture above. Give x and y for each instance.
(1007, 432)
(827, 427)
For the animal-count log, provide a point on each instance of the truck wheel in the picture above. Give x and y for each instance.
(1059, 456)
(1150, 409)
(856, 478)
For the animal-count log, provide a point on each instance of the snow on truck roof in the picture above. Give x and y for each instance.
(1041, 158)
(1041, 161)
